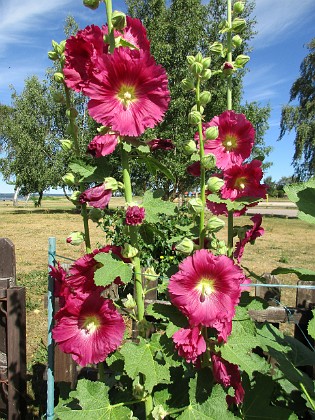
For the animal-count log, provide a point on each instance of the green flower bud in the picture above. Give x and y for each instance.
(241, 60)
(212, 133)
(150, 274)
(71, 113)
(205, 97)
(194, 117)
(62, 46)
(59, 77)
(199, 57)
(110, 184)
(66, 145)
(196, 205)
(69, 179)
(91, 4)
(188, 84)
(206, 74)
(214, 184)
(185, 246)
(119, 20)
(228, 68)
(103, 129)
(52, 55)
(129, 251)
(75, 238)
(58, 97)
(216, 47)
(215, 224)
(237, 41)
(196, 68)
(238, 7)
(206, 62)
(158, 413)
(208, 161)
(74, 197)
(238, 25)
(190, 59)
(195, 108)
(130, 303)
(190, 147)
(138, 390)
(55, 45)
(95, 214)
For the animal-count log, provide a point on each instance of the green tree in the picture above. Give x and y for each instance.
(29, 134)
(301, 117)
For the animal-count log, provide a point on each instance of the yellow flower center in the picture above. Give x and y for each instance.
(127, 95)
(205, 287)
(230, 142)
(240, 183)
(91, 324)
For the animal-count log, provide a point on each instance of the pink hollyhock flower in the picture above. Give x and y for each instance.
(164, 144)
(132, 95)
(89, 328)
(97, 197)
(244, 181)
(250, 236)
(206, 289)
(228, 374)
(135, 215)
(189, 343)
(194, 169)
(102, 145)
(61, 288)
(235, 140)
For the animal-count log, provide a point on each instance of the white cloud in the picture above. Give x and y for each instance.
(276, 18)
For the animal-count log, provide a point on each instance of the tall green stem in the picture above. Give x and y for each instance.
(202, 173)
(109, 12)
(229, 54)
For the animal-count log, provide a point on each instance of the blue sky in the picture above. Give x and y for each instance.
(284, 28)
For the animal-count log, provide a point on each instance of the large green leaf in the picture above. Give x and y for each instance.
(234, 205)
(111, 268)
(154, 205)
(90, 401)
(83, 169)
(155, 165)
(311, 326)
(303, 195)
(302, 273)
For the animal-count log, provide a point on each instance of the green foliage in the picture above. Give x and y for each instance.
(111, 269)
(154, 205)
(303, 195)
(311, 326)
(303, 273)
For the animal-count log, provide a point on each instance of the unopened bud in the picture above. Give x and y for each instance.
(205, 97)
(71, 113)
(190, 59)
(91, 4)
(238, 7)
(150, 274)
(214, 184)
(208, 161)
(75, 238)
(227, 68)
(53, 55)
(66, 145)
(222, 248)
(129, 251)
(119, 20)
(215, 224)
(95, 214)
(216, 47)
(75, 197)
(237, 41)
(130, 303)
(199, 57)
(196, 205)
(59, 77)
(194, 117)
(185, 246)
(212, 133)
(196, 68)
(138, 390)
(58, 97)
(69, 179)
(241, 60)
(188, 84)
(190, 147)
(158, 413)
(238, 24)
(110, 184)
(206, 74)
(206, 62)
(103, 129)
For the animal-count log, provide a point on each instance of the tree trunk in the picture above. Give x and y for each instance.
(40, 196)
(15, 198)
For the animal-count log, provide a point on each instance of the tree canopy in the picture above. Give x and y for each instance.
(301, 117)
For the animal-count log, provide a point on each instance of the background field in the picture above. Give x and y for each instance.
(287, 243)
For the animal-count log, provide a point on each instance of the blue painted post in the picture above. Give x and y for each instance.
(50, 342)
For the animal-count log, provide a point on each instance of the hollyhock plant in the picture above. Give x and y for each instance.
(103, 144)
(132, 94)
(228, 375)
(206, 288)
(234, 142)
(189, 343)
(250, 236)
(97, 197)
(135, 215)
(89, 328)
(244, 181)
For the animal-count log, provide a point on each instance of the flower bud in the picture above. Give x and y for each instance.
(196, 205)
(205, 97)
(208, 161)
(66, 145)
(138, 390)
(71, 113)
(58, 97)
(198, 57)
(110, 184)
(129, 251)
(158, 413)
(190, 59)
(238, 7)
(190, 147)
(215, 224)
(206, 74)
(227, 68)
(214, 184)
(206, 62)
(185, 246)
(196, 68)
(103, 129)
(62, 46)
(69, 179)
(188, 84)
(238, 25)
(130, 303)
(75, 238)
(194, 117)
(75, 198)
(119, 20)
(59, 77)
(212, 133)
(91, 4)
(95, 214)
(150, 274)
(241, 60)
(216, 47)
(53, 55)
(237, 41)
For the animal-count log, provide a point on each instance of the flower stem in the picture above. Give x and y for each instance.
(101, 372)
(202, 173)
(109, 12)
(229, 54)
(309, 399)
(148, 405)
(230, 233)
